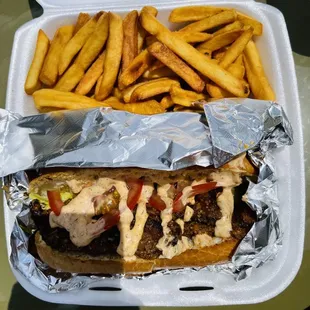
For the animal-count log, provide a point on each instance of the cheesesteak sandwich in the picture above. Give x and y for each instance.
(136, 221)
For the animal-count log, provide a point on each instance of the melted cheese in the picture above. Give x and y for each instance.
(130, 238)
(188, 214)
(225, 201)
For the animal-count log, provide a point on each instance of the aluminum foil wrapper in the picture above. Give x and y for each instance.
(106, 138)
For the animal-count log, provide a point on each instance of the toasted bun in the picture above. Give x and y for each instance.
(240, 165)
(75, 263)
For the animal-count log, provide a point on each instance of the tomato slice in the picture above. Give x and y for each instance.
(178, 205)
(105, 222)
(202, 188)
(135, 189)
(55, 201)
(156, 202)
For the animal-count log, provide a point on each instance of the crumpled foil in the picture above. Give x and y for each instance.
(106, 138)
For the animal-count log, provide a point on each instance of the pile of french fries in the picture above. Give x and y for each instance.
(138, 65)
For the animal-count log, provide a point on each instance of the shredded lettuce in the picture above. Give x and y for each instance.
(44, 200)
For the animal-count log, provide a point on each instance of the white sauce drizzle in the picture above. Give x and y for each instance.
(130, 238)
(188, 214)
(225, 178)
(181, 224)
(225, 201)
(76, 216)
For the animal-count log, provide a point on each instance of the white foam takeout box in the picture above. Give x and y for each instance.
(265, 282)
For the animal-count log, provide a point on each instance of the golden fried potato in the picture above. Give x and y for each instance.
(184, 97)
(219, 41)
(192, 13)
(172, 61)
(219, 19)
(130, 45)
(152, 88)
(49, 71)
(236, 49)
(95, 43)
(91, 76)
(139, 65)
(82, 19)
(32, 82)
(194, 58)
(254, 66)
(247, 20)
(76, 43)
(70, 79)
(51, 99)
(113, 56)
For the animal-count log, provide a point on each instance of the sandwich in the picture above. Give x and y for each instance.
(137, 221)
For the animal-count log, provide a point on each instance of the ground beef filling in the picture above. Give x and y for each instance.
(153, 231)
(59, 239)
(206, 213)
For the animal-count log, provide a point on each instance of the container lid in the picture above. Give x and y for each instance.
(84, 4)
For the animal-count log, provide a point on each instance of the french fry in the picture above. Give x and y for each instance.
(236, 25)
(236, 48)
(128, 91)
(139, 65)
(82, 19)
(159, 73)
(150, 9)
(194, 58)
(152, 88)
(192, 13)
(255, 66)
(219, 41)
(247, 20)
(91, 76)
(147, 107)
(70, 79)
(181, 108)
(239, 61)
(32, 82)
(156, 65)
(130, 44)
(172, 61)
(76, 43)
(49, 71)
(194, 37)
(95, 43)
(117, 93)
(255, 84)
(219, 19)
(141, 31)
(218, 54)
(51, 99)
(184, 97)
(237, 69)
(166, 102)
(113, 56)
(189, 37)
(98, 84)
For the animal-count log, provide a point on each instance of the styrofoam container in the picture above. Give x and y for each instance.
(265, 282)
